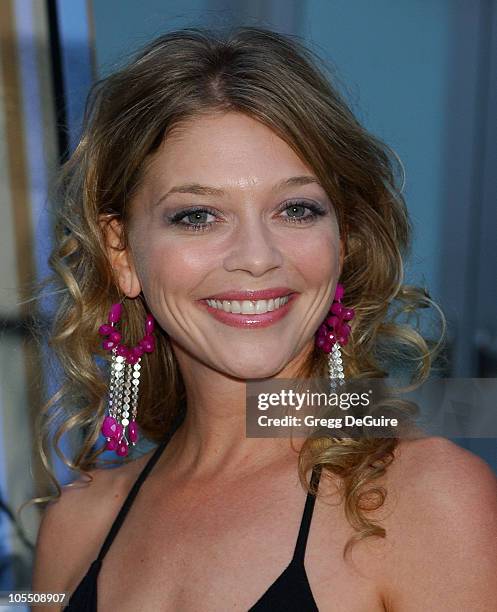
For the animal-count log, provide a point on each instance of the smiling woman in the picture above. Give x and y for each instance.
(224, 198)
(232, 237)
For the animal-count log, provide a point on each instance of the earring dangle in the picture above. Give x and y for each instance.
(333, 333)
(119, 426)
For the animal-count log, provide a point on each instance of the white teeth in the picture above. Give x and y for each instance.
(235, 306)
(260, 307)
(249, 306)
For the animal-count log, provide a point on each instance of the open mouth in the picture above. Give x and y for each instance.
(249, 306)
(249, 313)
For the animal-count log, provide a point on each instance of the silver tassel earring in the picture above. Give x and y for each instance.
(119, 427)
(333, 333)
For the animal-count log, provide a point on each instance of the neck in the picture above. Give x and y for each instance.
(212, 439)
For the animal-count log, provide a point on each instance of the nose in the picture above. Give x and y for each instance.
(254, 249)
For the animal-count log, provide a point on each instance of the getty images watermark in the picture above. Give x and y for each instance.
(372, 408)
(342, 400)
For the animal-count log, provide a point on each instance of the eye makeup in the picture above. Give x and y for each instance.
(197, 221)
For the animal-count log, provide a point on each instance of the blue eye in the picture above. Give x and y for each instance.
(196, 217)
(297, 212)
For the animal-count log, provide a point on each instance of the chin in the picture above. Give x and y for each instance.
(256, 370)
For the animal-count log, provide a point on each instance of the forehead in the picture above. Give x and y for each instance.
(228, 149)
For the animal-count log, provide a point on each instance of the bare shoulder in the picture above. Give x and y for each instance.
(73, 527)
(437, 470)
(442, 528)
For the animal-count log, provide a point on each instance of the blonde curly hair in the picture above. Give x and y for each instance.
(278, 81)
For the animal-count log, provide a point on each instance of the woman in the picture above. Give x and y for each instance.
(223, 189)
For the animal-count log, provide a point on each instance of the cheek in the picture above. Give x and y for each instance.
(318, 256)
(166, 266)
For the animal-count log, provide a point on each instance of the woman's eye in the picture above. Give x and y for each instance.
(300, 212)
(192, 220)
(197, 217)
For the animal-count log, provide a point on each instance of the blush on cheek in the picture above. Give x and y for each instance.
(319, 259)
(165, 270)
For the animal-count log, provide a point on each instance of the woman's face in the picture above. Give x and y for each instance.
(224, 208)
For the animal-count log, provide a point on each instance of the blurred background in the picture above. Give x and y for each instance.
(420, 74)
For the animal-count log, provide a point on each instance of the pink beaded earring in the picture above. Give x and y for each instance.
(124, 382)
(332, 333)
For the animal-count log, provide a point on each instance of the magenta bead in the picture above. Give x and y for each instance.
(108, 345)
(342, 339)
(345, 330)
(119, 432)
(105, 330)
(332, 321)
(327, 347)
(330, 337)
(122, 350)
(115, 312)
(122, 449)
(336, 309)
(109, 427)
(339, 292)
(132, 358)
(115, 337)
(147, 344)
(111, 444)
(138, 351)
(149, 324)
(320, 342)
(133, 431)
(348, 314)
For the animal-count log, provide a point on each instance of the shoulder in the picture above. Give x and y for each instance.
(443, 527)
(441, 481)
(74, 525)
(439, 471)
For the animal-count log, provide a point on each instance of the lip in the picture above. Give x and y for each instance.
(250, 321)
(261, 294)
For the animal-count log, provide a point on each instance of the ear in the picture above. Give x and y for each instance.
(120, 257)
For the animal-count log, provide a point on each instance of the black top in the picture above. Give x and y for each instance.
(290, 591)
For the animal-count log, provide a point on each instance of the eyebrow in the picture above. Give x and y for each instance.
(207, 190)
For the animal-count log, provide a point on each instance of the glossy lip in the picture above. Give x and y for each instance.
(260, 294)
(250, 321)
